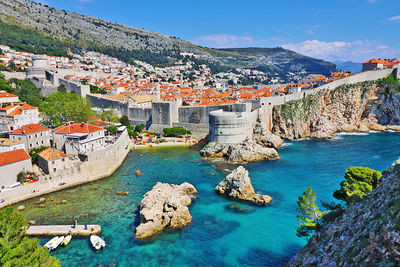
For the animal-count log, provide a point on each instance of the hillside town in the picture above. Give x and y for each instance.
(110, 79)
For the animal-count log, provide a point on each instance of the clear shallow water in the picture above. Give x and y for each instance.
(263, 236)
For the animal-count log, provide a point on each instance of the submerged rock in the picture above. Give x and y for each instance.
(64, 201)
(239, 209)
(42, 200)
(20, 208)
(122, 193)
(165, 206)
(138, 173)
(238, 185)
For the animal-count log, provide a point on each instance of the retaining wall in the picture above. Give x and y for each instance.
(100, 163)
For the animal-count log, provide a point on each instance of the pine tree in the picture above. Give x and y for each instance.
(310, 213)
(16, 249)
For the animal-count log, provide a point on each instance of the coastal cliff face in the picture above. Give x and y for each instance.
(350, 108)
(366, 234)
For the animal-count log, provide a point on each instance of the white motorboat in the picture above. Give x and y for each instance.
(66, 240)
(54, 243)
(97, 242)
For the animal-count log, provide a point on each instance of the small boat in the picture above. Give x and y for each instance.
(97, 242)
(66, 240)
(54, 243)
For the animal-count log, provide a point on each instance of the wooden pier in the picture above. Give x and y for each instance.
(57, 230)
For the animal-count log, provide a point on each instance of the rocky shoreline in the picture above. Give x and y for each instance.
(349, 108)
(261, 146)
(165, 206)
(366, 233)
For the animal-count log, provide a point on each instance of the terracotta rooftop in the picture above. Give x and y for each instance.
(9, 142)
(16, 109)
(77, 128)
(5, 94)
(13, 156)
(30, 128)
(51, 154)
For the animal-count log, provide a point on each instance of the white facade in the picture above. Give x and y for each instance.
(16, 116)
(10, 145)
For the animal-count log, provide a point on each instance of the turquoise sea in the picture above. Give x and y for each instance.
(218, 236)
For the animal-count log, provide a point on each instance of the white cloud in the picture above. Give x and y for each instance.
(357, 51)
(394, 19)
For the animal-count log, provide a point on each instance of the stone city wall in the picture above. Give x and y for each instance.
(78, 88)
(99, 164)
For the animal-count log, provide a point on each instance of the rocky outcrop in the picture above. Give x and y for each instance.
(238, 185)
(367, 233)
(261, 146)
(165, 206)
(350, 108)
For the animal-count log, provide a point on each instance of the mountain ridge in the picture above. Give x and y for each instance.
(129, 43)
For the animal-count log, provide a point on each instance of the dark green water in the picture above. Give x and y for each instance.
(261, 236)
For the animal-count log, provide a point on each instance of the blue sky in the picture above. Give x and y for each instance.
(354, 30)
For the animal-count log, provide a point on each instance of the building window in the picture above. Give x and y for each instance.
(54, 170)
(30, 145)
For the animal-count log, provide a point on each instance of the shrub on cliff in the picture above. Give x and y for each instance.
(359, 182)
(310, 213)
(16, 249)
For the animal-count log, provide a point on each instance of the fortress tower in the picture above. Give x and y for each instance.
(40, 64)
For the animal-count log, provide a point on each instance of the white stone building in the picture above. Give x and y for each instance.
(51, 160)
(17, 115)
(7, 144)
(7, 98)
(12, 163)
(33, 135)
(78, 138)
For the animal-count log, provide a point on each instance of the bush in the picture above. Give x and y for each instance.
(139, 128)
(112, 129)
(34, 153)
(124, 120)
(131, 131)
(175, 131)
(359, 182)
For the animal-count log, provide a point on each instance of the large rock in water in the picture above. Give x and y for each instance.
(247, 151)
(165, 206)
(238, 185)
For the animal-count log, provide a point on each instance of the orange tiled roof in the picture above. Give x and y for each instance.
(77, 128)
(5, 94)
(13, 156)
(30, 128)
(51, 154)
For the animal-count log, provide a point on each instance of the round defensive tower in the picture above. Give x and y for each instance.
(226, 127)
(40, 63)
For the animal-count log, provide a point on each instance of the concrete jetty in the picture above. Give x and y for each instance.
(56, 230)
